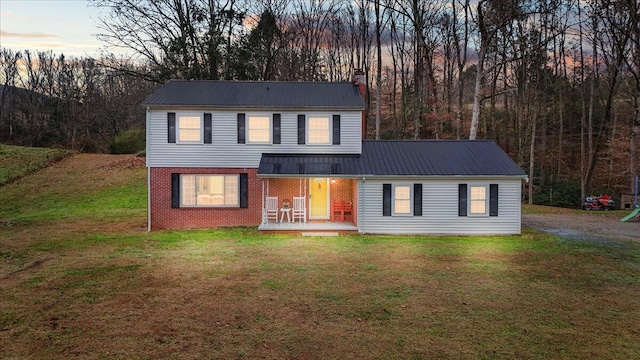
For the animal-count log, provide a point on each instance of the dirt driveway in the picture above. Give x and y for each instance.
(587, 225)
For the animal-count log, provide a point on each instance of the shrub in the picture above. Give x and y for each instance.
(561, 193)
(128, 142)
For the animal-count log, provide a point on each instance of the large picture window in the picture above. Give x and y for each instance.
(318, 131)
(189, 129)
(259, 129)
(402, 199)
(477, 200)
(210, 190)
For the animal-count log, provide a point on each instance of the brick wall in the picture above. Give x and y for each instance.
(164, 217)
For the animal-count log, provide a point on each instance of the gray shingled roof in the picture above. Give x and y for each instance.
(257, 94)
(400, 158)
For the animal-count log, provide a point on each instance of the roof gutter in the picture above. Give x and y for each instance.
(385, 177)
(250, 107)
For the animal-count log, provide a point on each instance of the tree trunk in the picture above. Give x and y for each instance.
(532, 158)
(477, 96)
(379, 70)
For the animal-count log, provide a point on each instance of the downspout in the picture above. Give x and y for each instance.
(362, 207)
(146, 150)
(148, 198)
(262, 197)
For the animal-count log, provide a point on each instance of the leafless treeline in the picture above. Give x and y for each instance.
(49, 100)
(555, 82)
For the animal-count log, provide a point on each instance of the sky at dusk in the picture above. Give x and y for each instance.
(63, 26)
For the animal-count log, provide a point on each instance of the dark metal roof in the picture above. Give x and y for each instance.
(257, 94)
(437, 157)
(400, 158)
(336, 165)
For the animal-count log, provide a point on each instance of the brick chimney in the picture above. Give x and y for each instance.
(360, 81)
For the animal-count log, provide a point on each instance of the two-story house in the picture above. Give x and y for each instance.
(290, 156)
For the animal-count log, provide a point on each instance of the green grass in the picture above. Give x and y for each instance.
(19, 161)
(80, 277)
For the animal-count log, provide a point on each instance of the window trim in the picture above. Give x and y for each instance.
(248, 117)
(329, 129)
(224, 176)
(486, 200)
(189, 114)
(409, 199)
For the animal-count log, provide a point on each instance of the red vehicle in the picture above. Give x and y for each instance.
(602, 202)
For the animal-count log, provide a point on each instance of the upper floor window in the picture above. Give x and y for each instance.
(259, 129)
(210, 190)
(477, 200)
(318, 131)
(189, 128)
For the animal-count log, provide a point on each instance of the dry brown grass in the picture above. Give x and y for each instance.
(98, 286)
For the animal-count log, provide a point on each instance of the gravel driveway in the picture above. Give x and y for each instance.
(587, 226)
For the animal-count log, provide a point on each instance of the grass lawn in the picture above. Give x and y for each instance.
(81, 278)
(18, 161)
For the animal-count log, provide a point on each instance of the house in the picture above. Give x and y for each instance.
(290, 156)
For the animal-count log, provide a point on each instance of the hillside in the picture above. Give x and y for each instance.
(18, 161)
(85, 190)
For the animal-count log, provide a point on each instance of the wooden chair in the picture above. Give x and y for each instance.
(271, 208)
(299, 208)
(347, 211)
(337, 212)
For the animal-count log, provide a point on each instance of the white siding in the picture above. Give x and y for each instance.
(440, 209)
(225, 152)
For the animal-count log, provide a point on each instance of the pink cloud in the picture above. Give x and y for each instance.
(28, 35)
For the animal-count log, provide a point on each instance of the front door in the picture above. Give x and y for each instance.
(319, 201)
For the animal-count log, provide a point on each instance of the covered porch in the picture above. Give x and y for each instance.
(308, 204)
(308, 193)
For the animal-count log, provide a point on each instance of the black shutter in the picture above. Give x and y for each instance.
(244, 191)
(241, 128)
(493, 200)
(171, 126)
(386, 199)
(175, 191)
(336, 129)
(276, 128)
(462, 199)
(301, 130)
(417, 199)
(207, 128)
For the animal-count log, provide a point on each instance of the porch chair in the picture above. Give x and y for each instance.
(299, 208)
(271, 209)
(337, 212)
(347, 211)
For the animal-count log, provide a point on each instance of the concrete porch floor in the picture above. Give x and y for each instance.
(309, 226)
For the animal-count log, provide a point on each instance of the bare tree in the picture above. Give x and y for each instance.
(190, 39)
(8, 79)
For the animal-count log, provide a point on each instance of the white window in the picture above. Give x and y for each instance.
(318, 130)
(189, 129)
(259, 129)
(210, 190)
(478, 200)
(402, 199)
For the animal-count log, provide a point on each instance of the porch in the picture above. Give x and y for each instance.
(315, 226)
(309, 204)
